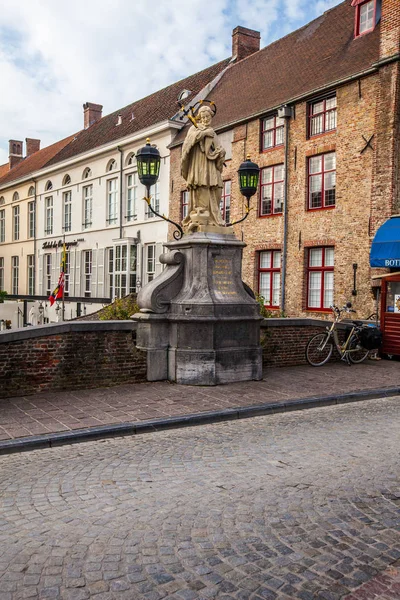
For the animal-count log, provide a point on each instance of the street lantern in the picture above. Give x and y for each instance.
(248, 178)
(148, 161)
(248, 173)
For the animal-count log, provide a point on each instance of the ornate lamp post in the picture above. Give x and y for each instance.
(248, 174)
(148, 161)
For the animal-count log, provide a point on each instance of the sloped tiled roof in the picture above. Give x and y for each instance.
(35, 161)
(4, 169)
(157, 107)
(313, 57)
(160, 106)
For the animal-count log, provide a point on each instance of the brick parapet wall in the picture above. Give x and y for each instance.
(69, 356)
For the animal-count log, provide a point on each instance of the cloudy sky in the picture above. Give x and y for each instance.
(57, 54)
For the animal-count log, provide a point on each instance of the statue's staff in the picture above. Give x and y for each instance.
(191, 111)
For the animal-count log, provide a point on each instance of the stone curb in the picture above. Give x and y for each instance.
(37, 442)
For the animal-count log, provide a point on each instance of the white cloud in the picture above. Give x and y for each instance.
(54, 56)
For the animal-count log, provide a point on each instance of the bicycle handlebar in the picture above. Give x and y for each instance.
(338, 311)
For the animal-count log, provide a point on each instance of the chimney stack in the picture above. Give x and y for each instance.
(91, 113)
(32, 146)
(244, 42)
(14, 153)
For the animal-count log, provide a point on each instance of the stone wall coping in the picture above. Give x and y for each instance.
(298, 322)
(26, 333)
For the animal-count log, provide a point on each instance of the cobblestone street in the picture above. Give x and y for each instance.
(297, 505)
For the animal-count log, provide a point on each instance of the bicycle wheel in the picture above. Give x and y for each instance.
(357, 354)
(319, 350)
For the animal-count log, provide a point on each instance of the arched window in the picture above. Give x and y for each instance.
(87, 173)
(2, 201)
(15, 196)
(130, 159)
(112, 165)
(48, 186)
(31, 191)
(66, 180)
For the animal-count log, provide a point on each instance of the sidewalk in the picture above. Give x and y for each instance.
(46, 419)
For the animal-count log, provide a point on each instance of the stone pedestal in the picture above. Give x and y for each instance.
(198, 323)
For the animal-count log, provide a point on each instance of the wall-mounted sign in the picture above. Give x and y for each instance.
(59, 244)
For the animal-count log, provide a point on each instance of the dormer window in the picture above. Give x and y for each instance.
(365, 16)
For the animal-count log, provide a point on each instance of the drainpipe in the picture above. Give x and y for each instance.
(121, 152)
(286, 113)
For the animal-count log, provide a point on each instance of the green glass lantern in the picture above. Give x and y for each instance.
(248, 173)
(148, 161)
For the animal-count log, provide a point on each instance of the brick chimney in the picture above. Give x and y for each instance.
(14, 152)
(244, 42)
(91, 113)
(32, 146)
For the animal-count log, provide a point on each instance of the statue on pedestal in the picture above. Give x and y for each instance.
(202, 161)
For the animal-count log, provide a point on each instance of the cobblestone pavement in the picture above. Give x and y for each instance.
(298, 505)
(51, 412)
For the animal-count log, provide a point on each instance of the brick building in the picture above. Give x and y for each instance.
(318, 111)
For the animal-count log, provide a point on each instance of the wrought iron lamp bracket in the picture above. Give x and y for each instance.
(176, 234)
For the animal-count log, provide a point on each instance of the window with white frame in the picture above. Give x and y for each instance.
(365, 16)
(48, 203)
(320, 270)
(2, 274)
(322, 116)
(272, 190)
(2, 225)
(15, 196)
(272, 132)
(87, 273)
(322, 181)
(155, 200)
(225, 204)
(67, 211)
(120, 271)
(47, 259)
(87, 206)
(131, 196)
(150, 262)
(112, 201)
(31, 219)
(269, 277)
(112, 165)
(15, 232)
(185, 204)
(15, 274)
(31, 274)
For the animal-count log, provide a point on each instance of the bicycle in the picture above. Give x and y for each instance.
(320, 347)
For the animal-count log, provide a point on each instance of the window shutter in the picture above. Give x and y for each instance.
(77, 273)
(159, 250)
(55, 269)
(100, 273)
(41, 287)
(93, 285)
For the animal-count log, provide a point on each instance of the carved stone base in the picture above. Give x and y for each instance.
(208, 332)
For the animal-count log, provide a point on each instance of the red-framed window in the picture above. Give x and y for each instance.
(271, 132)
(269, 277)
(365, 16)
(320, 271)
(184, 204)
(322, 181)
(272, 190)
(225, 205)
(322, 116)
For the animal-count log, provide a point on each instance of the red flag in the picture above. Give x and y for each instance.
(59, 290)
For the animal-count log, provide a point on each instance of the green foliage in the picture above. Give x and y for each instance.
(267, 313)
(3, 295)
(120, 310)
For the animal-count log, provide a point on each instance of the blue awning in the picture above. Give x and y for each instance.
(385, 249)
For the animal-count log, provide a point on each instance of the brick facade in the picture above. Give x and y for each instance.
(367, 180)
